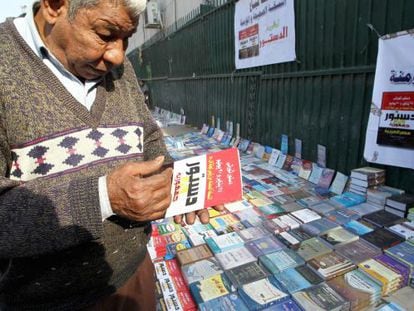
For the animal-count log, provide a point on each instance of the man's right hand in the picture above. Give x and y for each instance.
(138, 191)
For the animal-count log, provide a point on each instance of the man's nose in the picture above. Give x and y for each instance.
(115, 52)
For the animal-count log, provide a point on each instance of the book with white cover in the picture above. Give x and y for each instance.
(403, 231)
(224, 242)
(235, 257)
(238, 206)
(306, 215)
(339, 183)
(287, 220)
(316, 174)
(366, 173)
(274, 156)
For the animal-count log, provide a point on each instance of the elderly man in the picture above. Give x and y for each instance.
(80, 159)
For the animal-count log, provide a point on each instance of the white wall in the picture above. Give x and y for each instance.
(171, 10)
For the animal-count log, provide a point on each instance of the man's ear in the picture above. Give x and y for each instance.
(53, 9)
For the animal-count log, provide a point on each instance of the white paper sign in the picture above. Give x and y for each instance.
(264, 32)
(390, 131)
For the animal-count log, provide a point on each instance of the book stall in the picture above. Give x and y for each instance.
(301, 237)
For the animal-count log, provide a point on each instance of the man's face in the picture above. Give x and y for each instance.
(94, 41)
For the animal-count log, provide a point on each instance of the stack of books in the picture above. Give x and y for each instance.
(377, 196)
(331, 265)
(381, 218)
(320, 297)
(390, 280)
(410, 215)
(358, 288)
(364, 178)
(358, 251)
(400, 204)
(396, 266)
(404, 229)
(171, 288)
(382, 238)
(404, 253)
(338, 236)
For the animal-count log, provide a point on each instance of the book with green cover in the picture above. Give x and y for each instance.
(312, 248)
(320, 297)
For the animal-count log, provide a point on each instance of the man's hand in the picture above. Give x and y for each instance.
(201, 214)
(138, 191)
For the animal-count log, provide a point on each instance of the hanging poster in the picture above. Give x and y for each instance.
(390, 131)
(264, 32)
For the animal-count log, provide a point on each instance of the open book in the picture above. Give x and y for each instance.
(206, 180)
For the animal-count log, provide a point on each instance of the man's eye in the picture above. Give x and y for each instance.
(105, 37)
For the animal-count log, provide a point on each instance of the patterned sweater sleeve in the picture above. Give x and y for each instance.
(45, 215)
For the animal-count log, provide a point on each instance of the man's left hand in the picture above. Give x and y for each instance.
(201, 214)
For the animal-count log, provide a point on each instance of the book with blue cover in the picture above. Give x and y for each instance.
(323, 207)
(264, 245)
(243, 145)
(326, 178)
(172, 248)
(201, 270)
(319, 226)
(225, 242)
(342, 215)
(271, 209)
(211, 288)
(357, 227)
(403, 252)
(253, 233)
(348, 199)
(262, 294)
(291, 280)
(230, 302)
(316, 174)
(285, 305)
(281, 160)
(365, 208)
(281, 260)
(309, 201)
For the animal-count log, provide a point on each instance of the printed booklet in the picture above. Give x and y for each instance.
(204, 181)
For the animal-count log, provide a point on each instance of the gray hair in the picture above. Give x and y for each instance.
(134, 7)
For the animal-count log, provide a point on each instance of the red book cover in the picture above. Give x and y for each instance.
(204, 181)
